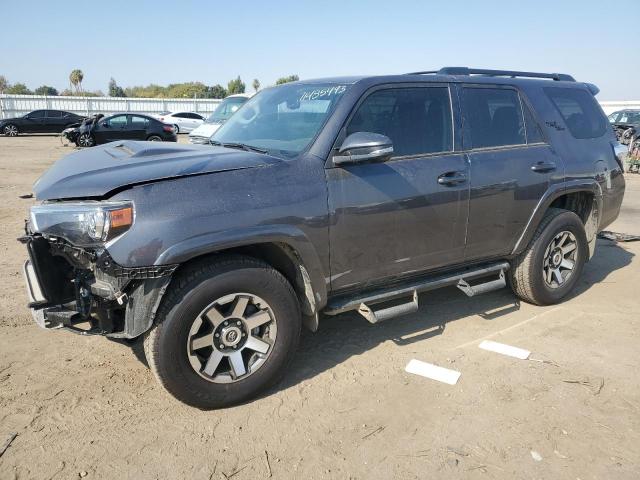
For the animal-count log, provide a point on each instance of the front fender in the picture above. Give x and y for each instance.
(589, 185)
(285, 234)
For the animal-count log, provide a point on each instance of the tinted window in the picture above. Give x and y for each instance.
(37, 114)
(180, 115)
(417, 120)
(534, 132)
(493, 117)
(139, 122)
(118, 121)
(579, 110)
(54, 114)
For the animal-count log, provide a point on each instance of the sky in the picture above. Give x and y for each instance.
(139, 42)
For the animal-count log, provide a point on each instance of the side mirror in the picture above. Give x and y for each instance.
(361, 147)
(105, 124)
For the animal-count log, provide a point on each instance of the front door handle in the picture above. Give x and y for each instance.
(542, 167)
(452, 178)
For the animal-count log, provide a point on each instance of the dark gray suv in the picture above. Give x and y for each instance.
(316, 198)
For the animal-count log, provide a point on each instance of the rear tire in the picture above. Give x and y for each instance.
(154, 138)
(549, 268)
(185, 348)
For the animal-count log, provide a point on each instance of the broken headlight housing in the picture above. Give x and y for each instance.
(84, 224)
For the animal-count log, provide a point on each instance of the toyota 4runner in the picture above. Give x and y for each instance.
(317, 198)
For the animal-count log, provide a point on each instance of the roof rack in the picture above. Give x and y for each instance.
(497, 73)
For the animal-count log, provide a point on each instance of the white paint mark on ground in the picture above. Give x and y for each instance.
(504, 349)
(433, 372)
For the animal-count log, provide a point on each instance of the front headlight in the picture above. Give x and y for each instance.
(83, 224)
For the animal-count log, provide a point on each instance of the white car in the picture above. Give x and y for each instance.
(183, 122)
(221, 114)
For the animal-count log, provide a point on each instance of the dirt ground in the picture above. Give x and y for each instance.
(88, 407)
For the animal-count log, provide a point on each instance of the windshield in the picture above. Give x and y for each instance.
(282, 120)
(226, 108)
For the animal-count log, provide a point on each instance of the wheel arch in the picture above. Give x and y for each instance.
(583, 197)
(289, 253)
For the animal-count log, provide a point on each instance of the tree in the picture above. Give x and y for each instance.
(19, 89)
(75, 77)
(46, 90)
(235, 86)
(4, 84)
(290, 78)
(256, 84)
(187, 90)
(217, 91)
(115, 90)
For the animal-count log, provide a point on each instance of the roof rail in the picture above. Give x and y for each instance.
(497, 73)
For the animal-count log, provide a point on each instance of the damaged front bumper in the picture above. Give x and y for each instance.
(86, 292)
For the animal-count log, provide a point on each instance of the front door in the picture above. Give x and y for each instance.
(111, 129)
(34, 122)
(511, 167)
(408, 214)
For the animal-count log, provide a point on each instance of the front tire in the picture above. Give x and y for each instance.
(176, 129)
(85, 140)
(226, 330)
(11, 130)
(551, 265)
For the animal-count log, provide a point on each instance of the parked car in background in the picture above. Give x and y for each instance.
(40, 121)
(122, 126)
(183, 122)
(221, 114)
(626, 124)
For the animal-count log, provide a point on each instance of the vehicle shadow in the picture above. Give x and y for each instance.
(349, 334)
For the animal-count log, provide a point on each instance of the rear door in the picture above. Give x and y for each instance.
(54, 121)
(408, 214)
(137, 128)
(511, 167)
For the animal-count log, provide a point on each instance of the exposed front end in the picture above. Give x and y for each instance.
(72, 281)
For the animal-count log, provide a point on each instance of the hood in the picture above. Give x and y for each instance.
(97, 171)
(205, 130)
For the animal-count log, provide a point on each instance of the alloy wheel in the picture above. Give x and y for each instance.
(231, 338)
(560, 259)
(85, 140)
(11, 131)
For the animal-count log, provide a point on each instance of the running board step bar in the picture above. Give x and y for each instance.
(471, 291)
(375, 316)
(460, 279)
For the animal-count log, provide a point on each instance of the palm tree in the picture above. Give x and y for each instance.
(256, 84)
(75, 77)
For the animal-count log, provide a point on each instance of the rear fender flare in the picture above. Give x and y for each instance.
(554, 192)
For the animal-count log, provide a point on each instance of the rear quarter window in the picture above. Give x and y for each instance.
(580, 112)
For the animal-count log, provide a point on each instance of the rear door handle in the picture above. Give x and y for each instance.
(452, 178)
(542, 167)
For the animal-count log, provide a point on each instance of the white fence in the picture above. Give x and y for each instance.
(18, 105)
(610, 107)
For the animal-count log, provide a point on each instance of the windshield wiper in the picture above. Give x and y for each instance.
(241, 146)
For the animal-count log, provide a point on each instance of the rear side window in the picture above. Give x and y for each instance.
(534, 132)
(139, 122)
(579, 110)
(493, 117)
(417, 120)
